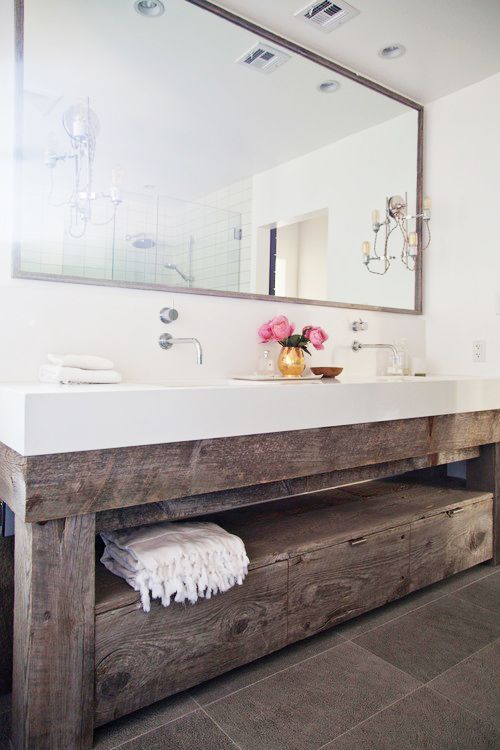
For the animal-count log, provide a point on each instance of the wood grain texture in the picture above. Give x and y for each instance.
(52, 699)
(450, 542)
(141, 657)
(13, 469)
(6, 612)
(68, 484)
(300, 525)
(215, 502)
(337, 583)
(484, 474)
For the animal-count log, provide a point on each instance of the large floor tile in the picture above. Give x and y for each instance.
(262, 668)
(193, 732)
(151, 717)
(484, 593)
(421, 721)
(434, 638)
(376, 617)
(307, 705)
(475, 683)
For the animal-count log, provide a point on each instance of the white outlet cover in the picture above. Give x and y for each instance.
(497, 305)
(479, 351)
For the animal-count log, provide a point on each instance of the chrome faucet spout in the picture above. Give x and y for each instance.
(166, 341)
(357, 346)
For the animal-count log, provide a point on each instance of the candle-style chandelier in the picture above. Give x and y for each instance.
(396, 218)
(81, 125)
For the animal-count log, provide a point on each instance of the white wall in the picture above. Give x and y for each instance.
(462, 266)
(348, 178)
(38, 317)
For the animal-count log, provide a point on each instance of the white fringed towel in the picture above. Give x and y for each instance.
(186, 561)
(75, 376)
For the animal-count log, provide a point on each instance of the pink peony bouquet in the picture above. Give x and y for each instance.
(281, 330)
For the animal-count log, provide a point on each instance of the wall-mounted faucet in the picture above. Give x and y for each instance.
(166, 341)
(396, 363)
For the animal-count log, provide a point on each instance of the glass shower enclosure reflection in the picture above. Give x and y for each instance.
(150, 239)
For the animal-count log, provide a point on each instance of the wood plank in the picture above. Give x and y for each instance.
(52, 700)
(141, 657)
(6, 612)
(450, 542)
(337, 583)
(68, 484)
(13, 468)
(484, 474)
(215, 502)
(303, 525)
(300, 525)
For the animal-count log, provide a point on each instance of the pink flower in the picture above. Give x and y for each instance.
(265, 332)
(281, 327)
(316, 335)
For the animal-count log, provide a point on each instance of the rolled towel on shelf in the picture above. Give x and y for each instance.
(81, 361)
(186, 561)
(75, 376)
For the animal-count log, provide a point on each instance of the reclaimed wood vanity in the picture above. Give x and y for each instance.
(331, 527)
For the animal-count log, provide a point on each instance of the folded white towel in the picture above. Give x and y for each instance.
(188, 560)
(82, 361)
(73, 375)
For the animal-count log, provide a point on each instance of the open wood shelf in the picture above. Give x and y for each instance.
(286, 529)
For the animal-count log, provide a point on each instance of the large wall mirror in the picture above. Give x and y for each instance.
(191, 150)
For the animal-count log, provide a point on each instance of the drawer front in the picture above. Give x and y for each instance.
(142, 657)
(450, 542)
(334, 584)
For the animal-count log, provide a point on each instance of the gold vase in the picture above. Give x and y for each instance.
(291, 362)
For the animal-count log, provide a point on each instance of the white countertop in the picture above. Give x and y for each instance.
(37, 419)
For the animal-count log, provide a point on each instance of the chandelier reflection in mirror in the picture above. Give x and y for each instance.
(397, 220)
(81, 125)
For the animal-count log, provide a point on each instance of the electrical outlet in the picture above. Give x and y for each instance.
(479, 351)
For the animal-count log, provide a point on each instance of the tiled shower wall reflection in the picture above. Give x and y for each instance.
(155, 239)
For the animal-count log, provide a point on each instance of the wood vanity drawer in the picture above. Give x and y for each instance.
(449, 542)
(140, 658)
(336, 583)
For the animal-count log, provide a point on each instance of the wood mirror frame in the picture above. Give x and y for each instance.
(17, 272)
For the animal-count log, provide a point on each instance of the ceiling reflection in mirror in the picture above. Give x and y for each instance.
(185, 151)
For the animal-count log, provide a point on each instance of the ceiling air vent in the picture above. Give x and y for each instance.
(327, 15)
(263, 58)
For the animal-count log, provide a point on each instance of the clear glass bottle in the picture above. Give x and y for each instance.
(265, 363)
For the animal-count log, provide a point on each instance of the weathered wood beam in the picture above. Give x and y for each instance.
(66, 484)
(214, 502)
(484, 474)
(53, 676)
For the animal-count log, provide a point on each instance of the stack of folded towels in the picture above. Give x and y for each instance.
(78, 368)
(186, 561)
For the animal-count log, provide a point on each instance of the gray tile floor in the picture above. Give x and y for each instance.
(419, 674)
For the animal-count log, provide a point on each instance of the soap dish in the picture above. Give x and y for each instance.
(327, 372)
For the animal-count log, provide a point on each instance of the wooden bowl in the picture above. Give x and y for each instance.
(327, 372)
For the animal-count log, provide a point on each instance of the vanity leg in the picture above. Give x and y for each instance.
(483, 473)
(53, 675)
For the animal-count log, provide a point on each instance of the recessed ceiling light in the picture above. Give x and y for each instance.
(328, 87)
(392, 51)
(149, 8)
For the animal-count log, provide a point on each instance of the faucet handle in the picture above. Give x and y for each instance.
(359, 325)
(166, 341)
(168, 314)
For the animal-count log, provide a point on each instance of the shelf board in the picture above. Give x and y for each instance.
(296, 526)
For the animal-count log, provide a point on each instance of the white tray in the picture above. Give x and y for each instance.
(267, 378)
